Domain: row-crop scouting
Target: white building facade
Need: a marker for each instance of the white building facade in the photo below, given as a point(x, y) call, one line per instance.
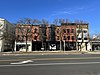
point(7, 35)
point(83, 42)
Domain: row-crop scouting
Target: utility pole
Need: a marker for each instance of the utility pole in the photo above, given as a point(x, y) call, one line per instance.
point(64, 45)
point(60, 39)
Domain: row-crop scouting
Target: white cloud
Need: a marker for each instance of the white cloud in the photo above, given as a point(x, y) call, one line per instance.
point(71, 11)
point(61, 13)
point(66, 12)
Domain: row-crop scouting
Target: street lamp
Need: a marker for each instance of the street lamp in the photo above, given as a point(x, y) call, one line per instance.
point(64, 45)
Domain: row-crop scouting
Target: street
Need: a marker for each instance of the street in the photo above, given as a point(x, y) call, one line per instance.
point(64, 64)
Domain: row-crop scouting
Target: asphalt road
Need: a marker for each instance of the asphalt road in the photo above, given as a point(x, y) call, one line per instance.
point(80, 64)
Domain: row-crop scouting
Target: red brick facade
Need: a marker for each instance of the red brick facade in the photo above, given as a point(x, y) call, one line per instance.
point(32, 32)
point(35, 33)
point(68, 33)
point(62, 36)
point(58, 33)
point(22, 31)
point(47, 33)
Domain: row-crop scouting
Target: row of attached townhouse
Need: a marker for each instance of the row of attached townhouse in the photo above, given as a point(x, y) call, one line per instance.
point(26, 37)
point(67, 36)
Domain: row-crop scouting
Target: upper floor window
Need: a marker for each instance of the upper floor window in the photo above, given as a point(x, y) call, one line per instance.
point(72, 37)
point(28, 30)
point(72, 31)
point(79, 31)
point(35, 37)
point(18, 38)
point(68, 37)
point(79, 38)
point(35, 30)
point(19, 30)
point(85, 31)
point(57, 37)
point(85, 38)
point(57, 30)
point(68, 30)
point(64, 38)
point(64, 30)
point(1, 32)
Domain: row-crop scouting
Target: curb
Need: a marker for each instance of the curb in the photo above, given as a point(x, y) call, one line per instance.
point(47, 53)
point(41, 53)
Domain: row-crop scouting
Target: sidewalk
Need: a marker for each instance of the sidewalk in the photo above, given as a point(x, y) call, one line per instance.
point(40, 53)
point(49, 52)
point(94, 52)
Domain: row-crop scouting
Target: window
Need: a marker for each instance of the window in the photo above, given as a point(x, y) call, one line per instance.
point(79, 31)
point(68, 37)
point(19, 30)
point(57, 30)
point(85, 39)
point(23, 37)
point(28, 30)
point(64, 38)
point(79, 38)
point(1, 32)
point(72, 31)
point(18, 36)
point(68, 30)
point(72, 37)
point(85, 31)
point(64, 30)
point(35, 37)
point(35, 30)
point(57, 37)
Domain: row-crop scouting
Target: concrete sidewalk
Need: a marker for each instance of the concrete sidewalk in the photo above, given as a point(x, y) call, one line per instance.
point(41, 53)
point(50, 52)
point(94, 52)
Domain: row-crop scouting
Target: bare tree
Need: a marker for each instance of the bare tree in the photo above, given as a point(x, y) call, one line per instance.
point(36, 22)
point(43, 28)
point(44, 21)
point(25, 21)
point(67, 20)
point(26, 29)
point(8, 36)
point(56, 21)
point(61, 21)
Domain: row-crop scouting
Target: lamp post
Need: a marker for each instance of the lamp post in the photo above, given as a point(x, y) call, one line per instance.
point(60, 39)
point(64, 45)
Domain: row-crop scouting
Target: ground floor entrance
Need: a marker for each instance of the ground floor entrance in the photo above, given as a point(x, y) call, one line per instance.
point(67, 46)
point(45, 46)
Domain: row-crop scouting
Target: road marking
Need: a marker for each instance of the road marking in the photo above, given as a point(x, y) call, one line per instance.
point(22, 62)
point(49, 64)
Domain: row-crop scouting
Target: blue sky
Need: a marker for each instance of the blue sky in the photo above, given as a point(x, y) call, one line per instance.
point(86, 10)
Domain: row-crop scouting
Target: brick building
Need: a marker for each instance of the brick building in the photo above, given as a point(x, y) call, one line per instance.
point(34, 36)
point(23, 37)
point(67, 36)
point(58, 37)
